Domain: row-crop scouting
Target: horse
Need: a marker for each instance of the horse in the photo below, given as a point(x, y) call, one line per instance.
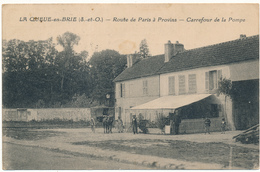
point(108, 124)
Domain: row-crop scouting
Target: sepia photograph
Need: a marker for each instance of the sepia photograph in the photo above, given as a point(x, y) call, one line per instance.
point(164, 86)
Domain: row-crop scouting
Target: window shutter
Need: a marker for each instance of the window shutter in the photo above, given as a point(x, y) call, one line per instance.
point(124, 90)
point(121, 90)
point(207, 81)
point(171, 81)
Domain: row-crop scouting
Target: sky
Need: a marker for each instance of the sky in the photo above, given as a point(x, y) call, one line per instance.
point(157, 23)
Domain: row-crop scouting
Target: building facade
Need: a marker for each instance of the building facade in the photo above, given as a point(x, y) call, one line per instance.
point(181, 74)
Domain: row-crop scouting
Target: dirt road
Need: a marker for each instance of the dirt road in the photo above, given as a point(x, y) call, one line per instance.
point(17, 157)
point(117, 150)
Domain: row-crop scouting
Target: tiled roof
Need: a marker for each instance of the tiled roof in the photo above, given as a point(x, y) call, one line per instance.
point(145, 67)
point(217, 54)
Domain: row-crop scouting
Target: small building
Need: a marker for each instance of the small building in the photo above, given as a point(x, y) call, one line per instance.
point(188, 80)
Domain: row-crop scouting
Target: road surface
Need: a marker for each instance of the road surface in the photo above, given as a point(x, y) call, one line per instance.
point(17, 157)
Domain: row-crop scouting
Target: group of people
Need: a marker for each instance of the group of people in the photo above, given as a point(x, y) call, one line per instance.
point(175, 120)
point(207, 123)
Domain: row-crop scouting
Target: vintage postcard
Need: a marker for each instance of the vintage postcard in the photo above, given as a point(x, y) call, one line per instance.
point(130, 86)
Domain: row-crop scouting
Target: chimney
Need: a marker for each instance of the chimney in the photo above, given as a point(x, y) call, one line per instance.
point(242, 36)
point(172, 50)
point(131, 59)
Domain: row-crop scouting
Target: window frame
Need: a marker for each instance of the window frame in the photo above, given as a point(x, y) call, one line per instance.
point(182, 88)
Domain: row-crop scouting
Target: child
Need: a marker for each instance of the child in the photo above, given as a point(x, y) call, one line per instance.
point(223, 126)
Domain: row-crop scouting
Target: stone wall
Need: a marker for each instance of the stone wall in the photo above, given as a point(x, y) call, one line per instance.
point(75, 114)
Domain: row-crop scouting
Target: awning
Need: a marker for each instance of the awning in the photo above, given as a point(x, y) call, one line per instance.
point(171, 102)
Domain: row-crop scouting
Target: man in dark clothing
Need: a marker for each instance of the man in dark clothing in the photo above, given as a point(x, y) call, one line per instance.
point(177, 121)
point(207, 125)
point(134, 124)
point(172, 126)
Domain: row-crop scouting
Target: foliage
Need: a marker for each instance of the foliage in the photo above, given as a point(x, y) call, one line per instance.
point(79, 101)
point(143, 126)
point(143, 49)
point(36, 75)
point(105, 66)
point(225, 87)
point(27, 68)
point(161, 121)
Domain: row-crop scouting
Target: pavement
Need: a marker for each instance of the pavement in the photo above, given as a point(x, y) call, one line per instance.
point(63, 143)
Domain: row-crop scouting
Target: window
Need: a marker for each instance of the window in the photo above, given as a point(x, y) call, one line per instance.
point(145, 87)
point(212, 78)
point(192, 83)
point(171, 81)
point(122, 90)
point(182, 89)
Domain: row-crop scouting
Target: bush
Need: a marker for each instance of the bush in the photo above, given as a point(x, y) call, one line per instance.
point(143, 126)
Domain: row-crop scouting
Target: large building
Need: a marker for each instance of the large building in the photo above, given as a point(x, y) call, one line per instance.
point(188, 80)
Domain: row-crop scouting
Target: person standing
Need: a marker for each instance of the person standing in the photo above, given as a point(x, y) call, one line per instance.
point(223, 126)
point(207, 125)
point(134, 124)
point(120, 125)
point(172, 126)
point(92, 124)
point(177, 121)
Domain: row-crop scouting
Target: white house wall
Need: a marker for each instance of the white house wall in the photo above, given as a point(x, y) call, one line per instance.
point(134, 88)
point(200, 79)
point(244, 71)
point(134, 94)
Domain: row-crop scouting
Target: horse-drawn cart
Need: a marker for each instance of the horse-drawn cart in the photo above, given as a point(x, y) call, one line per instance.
point(104, 116)
point(99, 112)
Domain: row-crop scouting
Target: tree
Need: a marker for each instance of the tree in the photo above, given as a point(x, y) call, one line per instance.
point(105, 66)
point(143, 49)
point(67, 41)
point(225, 88)
point(27, 71)
point(33, 72)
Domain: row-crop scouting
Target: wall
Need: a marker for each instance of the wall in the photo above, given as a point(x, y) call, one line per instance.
point(134, 88)
point(10, 115)
point(197, 125)
point(200, 79)
point(76, 114)
point(134, 95)
point(244, 70)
